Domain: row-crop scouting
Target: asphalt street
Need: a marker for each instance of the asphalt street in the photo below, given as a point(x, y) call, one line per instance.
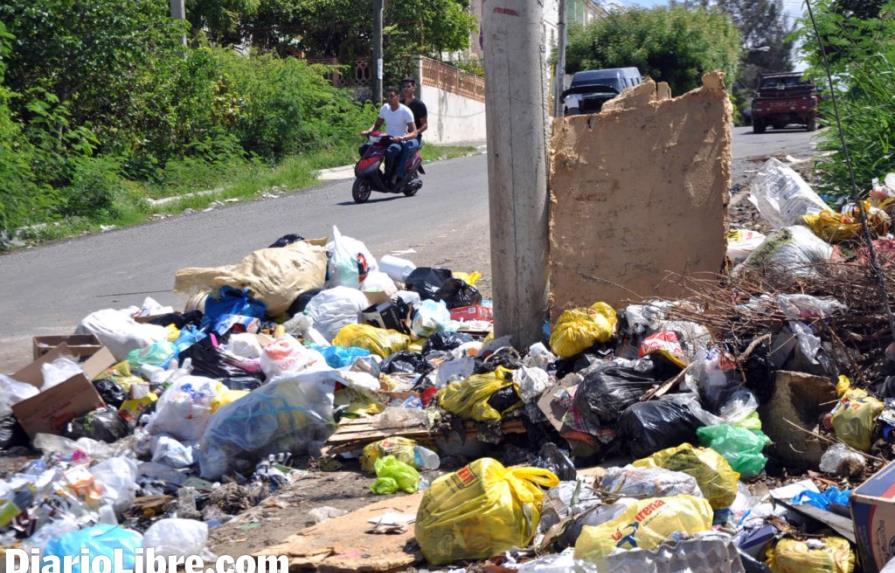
point(48, 289)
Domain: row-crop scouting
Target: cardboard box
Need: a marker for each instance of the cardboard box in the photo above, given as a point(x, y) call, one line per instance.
point(873, 513)
point(471, 313)
point(80, 345)
point(50, 411)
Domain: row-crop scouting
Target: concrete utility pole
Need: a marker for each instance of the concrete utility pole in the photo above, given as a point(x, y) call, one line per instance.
point(517, 166)
point(377, 51)
point(178, 12)
point(560, 71)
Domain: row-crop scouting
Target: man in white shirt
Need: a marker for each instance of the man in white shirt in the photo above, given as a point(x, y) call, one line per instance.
point(399, 124)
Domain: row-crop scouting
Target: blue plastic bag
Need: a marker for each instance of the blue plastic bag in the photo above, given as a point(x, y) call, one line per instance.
point(832, 496)
point(189, 335)
point(340, 356)
point(100, 539)
point(230, 302)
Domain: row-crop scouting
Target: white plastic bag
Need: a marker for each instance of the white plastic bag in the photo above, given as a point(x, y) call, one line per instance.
point(286, 355)
point(379, 285)
point(292, 413)
point(12, 392)
point(396, 268)
point(431, 317)
point(741, 243)
point(791, 251)
point(538, 356)
point(532, 382)
point(58, 371)
point(120, 333)
point(346, 253)
point(807, 307)
point(334, 308)
point(118, 476)
point(244, 345)
point(184, 408)
point(167, 450)
point(782, 196)
point(176, 537)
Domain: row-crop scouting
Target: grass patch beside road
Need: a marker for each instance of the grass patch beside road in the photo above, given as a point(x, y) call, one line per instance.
point(198, 186)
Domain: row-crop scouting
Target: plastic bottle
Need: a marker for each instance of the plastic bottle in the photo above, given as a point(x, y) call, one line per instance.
point(425, 459)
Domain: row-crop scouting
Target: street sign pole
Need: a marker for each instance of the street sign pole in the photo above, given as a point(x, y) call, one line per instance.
point(560, 71)
point(377, 51)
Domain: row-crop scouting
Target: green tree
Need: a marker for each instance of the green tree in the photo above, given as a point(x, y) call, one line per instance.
point(675, 45)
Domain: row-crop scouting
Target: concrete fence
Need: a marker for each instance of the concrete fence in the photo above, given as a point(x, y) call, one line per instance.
point(455, 100)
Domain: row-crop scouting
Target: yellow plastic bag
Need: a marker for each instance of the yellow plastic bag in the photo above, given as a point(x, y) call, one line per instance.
point(480, 510)
point(468, 278)
point(226, 396)
point(835, 227)
point(854, 417)
point(401, 448)
point(794, 556)
point(173, 333)
point(580, 328)
point(716, 479)
point(645, 525)
point(377, 340)
point(469, 398)
point(357, 403)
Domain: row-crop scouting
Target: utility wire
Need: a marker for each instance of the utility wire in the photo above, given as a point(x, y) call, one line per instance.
point(855, 193)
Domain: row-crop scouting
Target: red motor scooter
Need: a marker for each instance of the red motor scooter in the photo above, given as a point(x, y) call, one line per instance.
point(369, 175)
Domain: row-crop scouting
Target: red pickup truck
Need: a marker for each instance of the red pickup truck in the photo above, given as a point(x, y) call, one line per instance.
point(783, 99)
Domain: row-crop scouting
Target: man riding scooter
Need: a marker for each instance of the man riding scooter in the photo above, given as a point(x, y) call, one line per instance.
point(401, 128)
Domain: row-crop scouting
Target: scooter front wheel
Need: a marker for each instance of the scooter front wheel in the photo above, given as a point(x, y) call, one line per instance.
point(361, 190)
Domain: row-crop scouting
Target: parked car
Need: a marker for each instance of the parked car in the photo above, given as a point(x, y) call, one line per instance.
point(783, 99)
point(590, 89)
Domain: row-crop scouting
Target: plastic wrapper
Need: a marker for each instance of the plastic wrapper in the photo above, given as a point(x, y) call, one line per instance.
point(470, 397)
point(782, 196)
point(740, 447)
point(578, 329)
point(334, 308)
point(716, 479)
point(175, 537)
point(12, 392)
point(854, 418)
point(807, 307)
point(379, 341)
point(457, 293)
point(666, 345)
point(641, 483)
point(102, 539)
point(645, 525)
point(610, 388)
point(102, 424)
point(647, 427)
point(824, 555)
point(290, 414)
point(286, 355)
point(841, 460)
point(393, 475)
point(480, 510)
point(431, 317)
point(118, 478)
point(184, 408)
point(120, 333)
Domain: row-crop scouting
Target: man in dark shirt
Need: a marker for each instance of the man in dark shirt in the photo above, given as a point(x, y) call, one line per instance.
point(420, 114)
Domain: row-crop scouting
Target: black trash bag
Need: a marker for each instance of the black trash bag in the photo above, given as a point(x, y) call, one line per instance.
point(608, 389)
point(392, 315)
point(504, 399)
point(759, 372)
point(577, 363)
point(241, 382)
point(102, 424)
point(111, 393)
point(12, 433)
point(427, 281)
point(446, 341)
point(179, 319)
point(506, 357)
point(550, 457)
point(647, 427)
point(209, 362)
point(405, 362)
point(456, 293)
point(301, 301)
point(286, 240)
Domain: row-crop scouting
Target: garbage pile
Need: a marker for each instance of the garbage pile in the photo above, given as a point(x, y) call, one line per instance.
point(738, 429)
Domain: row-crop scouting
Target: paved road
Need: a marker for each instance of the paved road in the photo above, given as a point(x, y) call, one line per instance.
point(47, 290)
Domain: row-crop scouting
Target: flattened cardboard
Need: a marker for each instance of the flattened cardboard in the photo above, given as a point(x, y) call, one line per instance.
point(51, 410)
point(873, 514)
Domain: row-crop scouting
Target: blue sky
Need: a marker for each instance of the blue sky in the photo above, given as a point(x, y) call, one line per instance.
point(793, 7)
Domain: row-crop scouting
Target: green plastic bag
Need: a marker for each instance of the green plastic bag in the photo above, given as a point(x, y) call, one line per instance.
point(739, 446)
point(392, 475)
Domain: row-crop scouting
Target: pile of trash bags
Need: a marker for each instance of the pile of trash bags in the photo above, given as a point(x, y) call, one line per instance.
point(625, 439)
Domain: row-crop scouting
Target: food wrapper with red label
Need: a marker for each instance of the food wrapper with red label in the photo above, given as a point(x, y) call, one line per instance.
point(481, 510)
point(665, 344)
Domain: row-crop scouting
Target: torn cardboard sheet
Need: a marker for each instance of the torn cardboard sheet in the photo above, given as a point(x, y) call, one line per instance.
point(639, 195)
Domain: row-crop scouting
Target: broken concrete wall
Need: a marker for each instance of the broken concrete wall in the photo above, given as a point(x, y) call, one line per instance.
point(639, 195)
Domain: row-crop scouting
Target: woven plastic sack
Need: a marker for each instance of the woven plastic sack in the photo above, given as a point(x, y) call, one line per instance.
point(739, 446)
point(715, 477)
point(854, 417)
point(398, 447)
point(377, 340)
point(393, 475)
point(580, 328)
point(480, 510)
point(794, 556)
point(645, 525)
point(468, 398)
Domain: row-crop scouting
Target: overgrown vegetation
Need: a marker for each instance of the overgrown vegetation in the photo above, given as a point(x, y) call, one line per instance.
point(859, 36)
point(674, 45)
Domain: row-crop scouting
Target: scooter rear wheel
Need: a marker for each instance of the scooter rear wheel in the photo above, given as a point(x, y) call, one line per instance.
point(361, 190)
